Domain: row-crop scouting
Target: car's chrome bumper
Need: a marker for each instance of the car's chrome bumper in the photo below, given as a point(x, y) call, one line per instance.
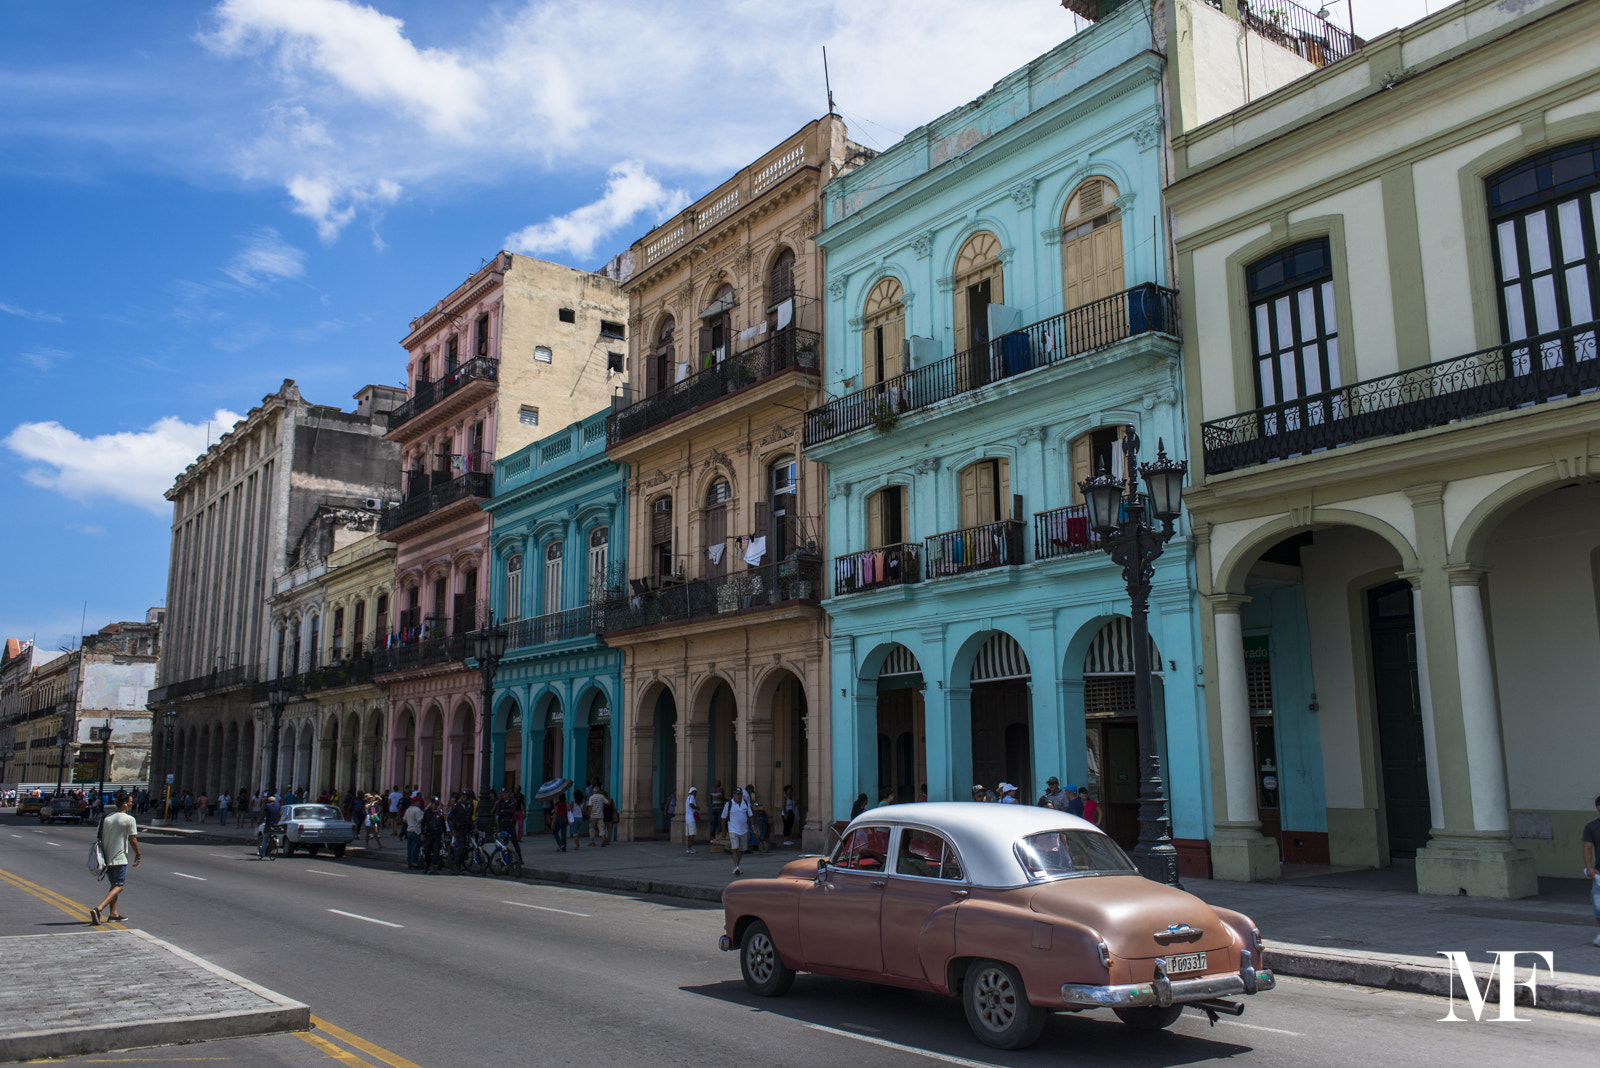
point(1163, 991)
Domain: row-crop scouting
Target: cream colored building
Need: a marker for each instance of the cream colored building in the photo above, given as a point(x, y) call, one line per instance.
point(726, 670)
point(1389, 272)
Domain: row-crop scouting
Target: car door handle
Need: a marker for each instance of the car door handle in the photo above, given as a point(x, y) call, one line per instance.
point(959, 895)
point(878, 883)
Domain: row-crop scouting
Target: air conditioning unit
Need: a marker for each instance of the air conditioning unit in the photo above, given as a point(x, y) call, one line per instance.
point(373, 504)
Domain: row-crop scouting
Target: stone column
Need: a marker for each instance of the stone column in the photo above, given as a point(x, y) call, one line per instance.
point(1239, 851)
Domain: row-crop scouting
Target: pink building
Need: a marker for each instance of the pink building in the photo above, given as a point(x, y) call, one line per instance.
point(522, 345)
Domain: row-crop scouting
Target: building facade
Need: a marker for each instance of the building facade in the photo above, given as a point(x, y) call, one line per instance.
point(239, 513)
point(520, 346)
point(559, 514)
point(724, 637)
point(1390, 346)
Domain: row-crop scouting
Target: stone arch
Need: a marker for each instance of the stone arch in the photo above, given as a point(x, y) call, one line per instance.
point(1472, 537)
point(1063, 190)
point(886, 293)
point(703, 691)
point(1235, 566)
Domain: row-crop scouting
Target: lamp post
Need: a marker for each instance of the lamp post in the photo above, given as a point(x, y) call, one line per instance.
point(488, 646)
point(1122, 519)
point(63, 740)
point(170, 716)
point(277, 697)
point(103, 733)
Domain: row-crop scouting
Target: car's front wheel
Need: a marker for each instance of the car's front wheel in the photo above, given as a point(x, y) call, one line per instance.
point(764, 971)
point(998, 1010)
point(1149, 1017)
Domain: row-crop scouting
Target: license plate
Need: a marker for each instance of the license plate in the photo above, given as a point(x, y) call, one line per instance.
point(1186, 962)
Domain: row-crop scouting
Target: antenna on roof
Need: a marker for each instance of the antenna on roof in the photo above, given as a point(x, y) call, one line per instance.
point(825, 80)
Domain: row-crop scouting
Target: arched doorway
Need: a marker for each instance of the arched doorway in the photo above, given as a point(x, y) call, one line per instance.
point(902, 744)
point(1001, 720)
point(597, 757)
point(788, 764)
point(1111, 722)
point(430, 750)
point(664, 760)
point(511, 766)
point(722, 750)
point(465, 729)
point(554, 721)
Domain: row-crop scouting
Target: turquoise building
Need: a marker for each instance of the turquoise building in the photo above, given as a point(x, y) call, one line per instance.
point(558, 515)
point(1002, 321)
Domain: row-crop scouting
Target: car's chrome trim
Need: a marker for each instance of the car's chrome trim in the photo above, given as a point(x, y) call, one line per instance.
point(1176, 991)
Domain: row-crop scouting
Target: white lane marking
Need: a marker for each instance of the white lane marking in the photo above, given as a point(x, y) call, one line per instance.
point(16, 836)
point(884, 1042)
point(1258, 1027)
point(196, 878)
point(369, 919)
point(545, 908)
point(56, 844)
point(224, 856)
point(336, 875)
point(861, 1027)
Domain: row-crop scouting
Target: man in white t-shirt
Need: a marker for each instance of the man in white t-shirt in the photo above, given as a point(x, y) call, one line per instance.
point(395, 797)
point(737, 814)
point(119, 834)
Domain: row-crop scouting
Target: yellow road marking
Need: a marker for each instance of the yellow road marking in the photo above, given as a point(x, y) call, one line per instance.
point(333, 1052)
point(50, 897)
point(394, 1060)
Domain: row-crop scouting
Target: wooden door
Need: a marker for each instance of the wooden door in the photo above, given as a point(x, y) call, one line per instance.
point(1398, 706)
point(717, 534)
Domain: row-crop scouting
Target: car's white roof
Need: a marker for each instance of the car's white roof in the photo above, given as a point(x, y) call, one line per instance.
point(983, 833)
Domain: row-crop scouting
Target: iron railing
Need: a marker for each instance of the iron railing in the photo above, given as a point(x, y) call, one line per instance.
point(979, 548)
point(1308, 35)
point(426, 394)
point(417, 505)
point(757, 587)
point(353, 672)
point(1142, 309)
point(556, 626)
point(779, 352)
point(1519, 373)
point(1066, 531)
point(216, 680)
point(420, 654)
point(876, 569)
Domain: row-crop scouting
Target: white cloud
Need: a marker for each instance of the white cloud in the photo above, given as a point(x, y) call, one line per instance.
point(44, 359)
point(30, 313)
point(630, 192)
point(266, 257)
point(332, 201)
point(93, 529)
point(134, 467)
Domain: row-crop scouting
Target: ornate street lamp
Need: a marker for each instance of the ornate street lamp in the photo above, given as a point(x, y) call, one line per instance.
point(1122, 519)
point(170, 716)
point(277, 698)
point(103, 733)
point(488, 646)
point(63, 740)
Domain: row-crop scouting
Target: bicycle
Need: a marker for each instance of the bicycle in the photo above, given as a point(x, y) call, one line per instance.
point(276, 843)
point(476, 862)
point(503, 858)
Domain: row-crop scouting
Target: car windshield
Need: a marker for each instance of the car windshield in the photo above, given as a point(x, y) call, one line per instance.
point(1057, 854)
point(315, 812)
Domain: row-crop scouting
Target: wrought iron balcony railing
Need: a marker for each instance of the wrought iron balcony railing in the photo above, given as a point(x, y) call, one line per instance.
point(426, 394)
point(216, 680)
point(779, 352)
point(877, 569)
point(353, 672)
point(423, 653)
point(1288, 25)
point(1066, 531)
point(757, 587)
point(1140, 310)
point(977, 548)
point(556, 626)
point(440, 494)
point(1519, 373)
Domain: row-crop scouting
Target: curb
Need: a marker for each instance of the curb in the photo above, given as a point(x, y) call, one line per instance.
point(283, 1014)
point(1557, 991)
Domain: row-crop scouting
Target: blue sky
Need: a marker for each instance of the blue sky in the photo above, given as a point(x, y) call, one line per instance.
point(203, 199)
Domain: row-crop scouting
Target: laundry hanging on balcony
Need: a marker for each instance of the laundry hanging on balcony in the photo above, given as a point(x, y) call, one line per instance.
point(785, 313)
point(757, 549)
point(715, 553)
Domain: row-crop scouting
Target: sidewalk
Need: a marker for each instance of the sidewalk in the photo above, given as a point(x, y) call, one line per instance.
point(1367, 928)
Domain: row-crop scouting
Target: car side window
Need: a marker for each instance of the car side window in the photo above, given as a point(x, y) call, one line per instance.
point(925, 854)
point(864, 849)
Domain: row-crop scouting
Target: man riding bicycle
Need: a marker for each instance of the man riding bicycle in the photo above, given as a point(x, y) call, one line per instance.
point(271, 814)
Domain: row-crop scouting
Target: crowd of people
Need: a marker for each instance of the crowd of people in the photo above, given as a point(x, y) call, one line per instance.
point(1074, 800)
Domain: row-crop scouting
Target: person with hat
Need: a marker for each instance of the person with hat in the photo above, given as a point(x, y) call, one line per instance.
point(1008, 794)
point(979, 793)
point(1052, 796)
point(1074, 805)
point(691, 819)
point(271, 811)
point(1091, 807)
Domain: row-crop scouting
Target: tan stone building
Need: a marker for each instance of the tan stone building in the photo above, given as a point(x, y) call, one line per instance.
point(727, 669)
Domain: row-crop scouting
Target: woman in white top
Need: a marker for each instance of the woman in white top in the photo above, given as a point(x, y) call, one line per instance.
point(691, 817)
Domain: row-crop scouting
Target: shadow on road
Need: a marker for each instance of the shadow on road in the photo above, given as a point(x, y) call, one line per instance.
point(935, 1024)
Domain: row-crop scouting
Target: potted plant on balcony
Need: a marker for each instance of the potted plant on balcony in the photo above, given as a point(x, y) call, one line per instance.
point(883, 415)
point(805, 353)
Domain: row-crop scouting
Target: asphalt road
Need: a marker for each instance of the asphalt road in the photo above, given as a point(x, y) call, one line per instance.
point(442, 971)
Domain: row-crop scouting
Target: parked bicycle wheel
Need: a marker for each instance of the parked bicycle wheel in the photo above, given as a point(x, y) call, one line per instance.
point(497, 863)
point(474, 863)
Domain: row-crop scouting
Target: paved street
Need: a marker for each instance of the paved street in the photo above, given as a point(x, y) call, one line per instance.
point(450, 971)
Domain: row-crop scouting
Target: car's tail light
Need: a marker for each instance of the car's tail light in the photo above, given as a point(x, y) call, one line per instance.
point(1105, 956)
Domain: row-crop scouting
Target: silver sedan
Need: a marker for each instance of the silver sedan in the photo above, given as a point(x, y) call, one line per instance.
point(315, 826)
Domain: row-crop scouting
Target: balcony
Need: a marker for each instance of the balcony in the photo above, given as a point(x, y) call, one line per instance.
point(556, 627)
point(1535, 370)
point(758, 587)
point(877, 569)
point(217, 680)
point(780, 352)
point(1140, 310)
point(466, 476)
point(1288, 25)
point(426, 653)
point(1065, 531)
point(341, 673)
point(980, 548)
point(427, 394)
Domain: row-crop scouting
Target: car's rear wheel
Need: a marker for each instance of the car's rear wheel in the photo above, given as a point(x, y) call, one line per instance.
point(338, 851)
point(1149, 1017)
point(314, 850)
point(764, 971)
point(997, 1006)
point(288, 848)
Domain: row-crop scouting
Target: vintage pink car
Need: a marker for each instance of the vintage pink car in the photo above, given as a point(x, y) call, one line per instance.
point(1019, 911)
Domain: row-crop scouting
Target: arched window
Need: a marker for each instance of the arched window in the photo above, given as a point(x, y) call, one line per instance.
point(889, 517)
point(1099, 449)
point(1545, 212)
point(338, 633)
point(783, 511)
point(985, 493)
point(883, 329)
point(315, 636)
point(660, 361)
point(358, 629)
point(716, 330)
point(552, 578)
point(661, 537)
point(717, 495)
point(1091, 244)
point(599, 560)
point(780, 279)
point(512, 608)
point(979, 283)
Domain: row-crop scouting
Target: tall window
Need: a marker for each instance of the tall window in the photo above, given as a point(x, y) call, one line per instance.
point(979, 283)
point(599, 559)
point(661, 536)
point(316, 643)
point(552, 578)
point(480, 342)
point(358, 629)
point(717, 496)
point(1294, 325)
point(467, 608)
point(1545, 212)
point(660, 361)
point(1091, 244)
point(985, 493)
point(338, 633)
point(1097, 450)
point(452, 354)
point(441, 607)
point(780, 292)
point(888, 517)
point(380, 622)
point(716, 330)
point(884, 328)
point(513, 606)
point(295, 664)
point(784, 512)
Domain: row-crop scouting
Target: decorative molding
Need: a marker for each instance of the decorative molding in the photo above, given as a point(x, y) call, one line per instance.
point(836, 286)
point(1147, 133)
point(1031, 433)
point(807, 224)
point(947, 284)
point(779, 433)
point(922, 244)
point(855, 322)
point(572, 509)
point(926, 465)
point(656, 479)
point(1124, 203)
point(838, 489)
point(714, 457)
point(1021, 194)
point(741, 259)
